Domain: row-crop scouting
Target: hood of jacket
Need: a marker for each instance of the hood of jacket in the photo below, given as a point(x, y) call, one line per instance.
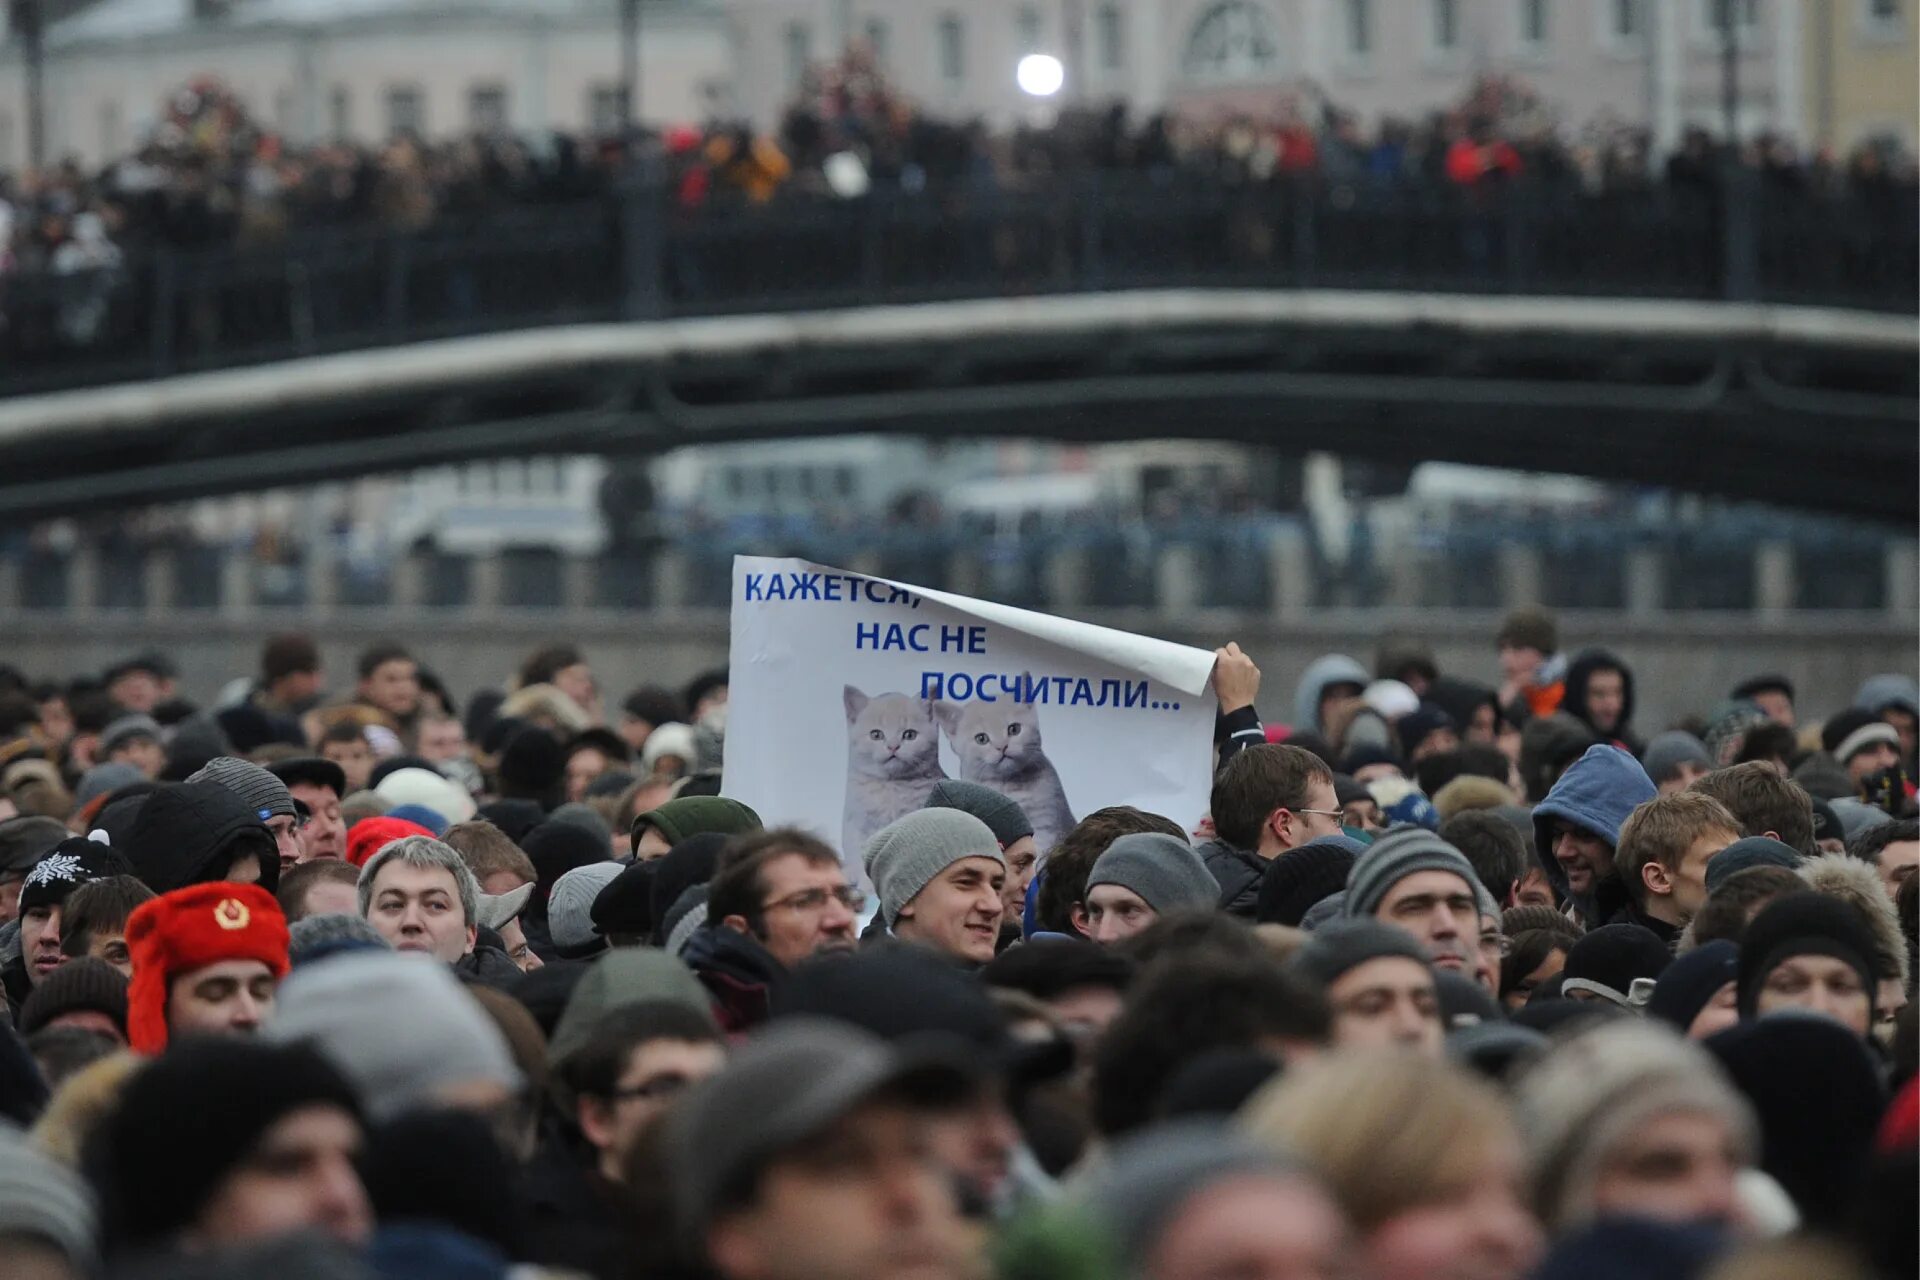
point(1877, 693)
point(191, 832)
point(1596, 794)
point(1579, 672)
point(1842, 876)
point(1329, 669)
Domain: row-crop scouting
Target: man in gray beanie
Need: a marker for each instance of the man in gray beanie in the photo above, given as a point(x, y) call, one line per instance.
point(47, 1219)
point(570, 909)
point(939, 874)
point(1140, 878)
point(1414, 879)
point(265, 794)
point(1674, 759)
point(1010, 826)
point(1379, 985)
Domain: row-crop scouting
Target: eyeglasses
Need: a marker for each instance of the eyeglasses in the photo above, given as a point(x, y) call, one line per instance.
point(1496, 944)
point(1323, 813)
point(816, 899)
point(661, 1086)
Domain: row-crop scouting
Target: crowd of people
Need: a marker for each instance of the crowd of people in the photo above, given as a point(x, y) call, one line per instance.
point(1455, 979)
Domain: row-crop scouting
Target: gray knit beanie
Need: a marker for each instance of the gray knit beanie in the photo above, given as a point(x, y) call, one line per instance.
point(43, 1200)
point(902, 857)
point(1668, 751)
point(1164, 870)
point(1004, 817)
point(1394, 857)
point(265, 794)
point(1324, 912)
point(570, 905)
point(1340, 945)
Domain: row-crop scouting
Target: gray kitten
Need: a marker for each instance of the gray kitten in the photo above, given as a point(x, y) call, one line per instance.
point(893, 763)
point(999, 746)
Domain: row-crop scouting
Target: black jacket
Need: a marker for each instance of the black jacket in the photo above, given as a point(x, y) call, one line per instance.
point(737, 972)
point(1239, 874)
point(574, 1217)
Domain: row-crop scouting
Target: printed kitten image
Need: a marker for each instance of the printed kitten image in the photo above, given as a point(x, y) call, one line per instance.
point(893, 762)
point(998, 745)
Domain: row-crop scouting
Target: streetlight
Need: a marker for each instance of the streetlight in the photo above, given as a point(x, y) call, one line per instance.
point(1040, 75)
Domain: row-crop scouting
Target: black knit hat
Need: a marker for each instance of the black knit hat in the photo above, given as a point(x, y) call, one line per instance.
point(1800, 924)
point(66, 867)
point(1753, 686)
point(1301, 877)
point(1689, 983)
point(311, 771)
point(77, 986)
point(1419, 724)
point(688, 863)
point(532, 765)
point(1611, 957)
point(186, 1120)
point(626, 905)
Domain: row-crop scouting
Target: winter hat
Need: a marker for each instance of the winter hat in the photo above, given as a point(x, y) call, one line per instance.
point(1348, 790)
point(44, 1201)
point(1150, 1177)
point(1823, 777)
point(419, 815)
point(686, 917)
point(186, 1120)
point(1744, 855)
point(1366, 754)
point(1606, 961)
point(126, 729)
point(317, 937)
point(1597, 794)
point(1216, 1083)
point(104, 780)
point(1818, 1094)
point(313, 771)
point(429, 788)
point(1463, 1001)
point(1163, 870)
point(1419, 724)
point(24, 839)
point(370, 835)
point(1411, 809)
point(583, 815)
point(1853, 731)
point(556, 848)
point(514, 817)
point(1727, 729)
point(1826, 823)
point(1668, 751)
point(1797, 924)
point(1689, 983)
point(901, 858)
point(532, 765)
point(1635, 1249)
point(901, 994)
point(193, 832)
point(625, 906)
point(1752, 687)
point(1303, 876)
point(400, 1027)
point(1594, 1088)
point(688, 863)
point(689, 816)
point(1392, 699)
point(1341, 945)
point(1857, 815)
point(1529, 627)
point(1004, 817)
point(82, 984)
point(1877, 693)
point(1328, 909)
point(1395, 856)
point(64, 868)
point(1857, 883)
point(497, 910)
point(570, 908)
point(1469, 793)
point(628, 976)
point(189, 929)
point(265, 794)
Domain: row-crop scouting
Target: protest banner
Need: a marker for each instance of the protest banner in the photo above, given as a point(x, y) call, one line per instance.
point(853, 696)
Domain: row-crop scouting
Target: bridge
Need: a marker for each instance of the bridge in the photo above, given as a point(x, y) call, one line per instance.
point(1734, 350)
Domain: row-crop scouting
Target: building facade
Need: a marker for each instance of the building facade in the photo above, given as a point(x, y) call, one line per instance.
point(1635, 61)
point(364, 70)
point(1862, 73)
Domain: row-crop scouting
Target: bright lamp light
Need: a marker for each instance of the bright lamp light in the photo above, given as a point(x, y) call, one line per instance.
point(1040, 75)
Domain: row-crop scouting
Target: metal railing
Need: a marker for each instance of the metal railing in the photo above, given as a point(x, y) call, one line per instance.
point(634, 255)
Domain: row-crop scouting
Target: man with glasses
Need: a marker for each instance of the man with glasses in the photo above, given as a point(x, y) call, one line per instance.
point(1415, 880)
point(776, 898)
point(638, 1060)
point(1267, 800)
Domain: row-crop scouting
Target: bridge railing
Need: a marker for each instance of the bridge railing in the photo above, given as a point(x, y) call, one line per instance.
point(633, 254)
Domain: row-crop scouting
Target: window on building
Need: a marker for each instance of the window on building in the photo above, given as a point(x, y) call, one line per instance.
point(1233, 40)
point(606, 108)
point(953, 49)
point(1359, 25)
point(487, 108)
point(406, 111)
point(879, 38)
point(799, 47)
point(1446, 25)
point(1028, 22)
point(1534, 31)
point(340, 113)
point(1112, 34)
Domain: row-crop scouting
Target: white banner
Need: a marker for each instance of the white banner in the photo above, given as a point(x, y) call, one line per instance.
point(851, 697)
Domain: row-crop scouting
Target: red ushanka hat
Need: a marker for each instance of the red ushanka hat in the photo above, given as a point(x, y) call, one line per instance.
point(190, 929)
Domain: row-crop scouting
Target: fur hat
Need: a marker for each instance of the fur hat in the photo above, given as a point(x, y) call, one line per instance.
point(1847, 878)
point(1469, 792)
point(189, 929)
point(1591, 1090)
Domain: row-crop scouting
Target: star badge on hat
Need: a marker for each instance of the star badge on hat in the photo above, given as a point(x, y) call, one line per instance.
point(231, 913)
